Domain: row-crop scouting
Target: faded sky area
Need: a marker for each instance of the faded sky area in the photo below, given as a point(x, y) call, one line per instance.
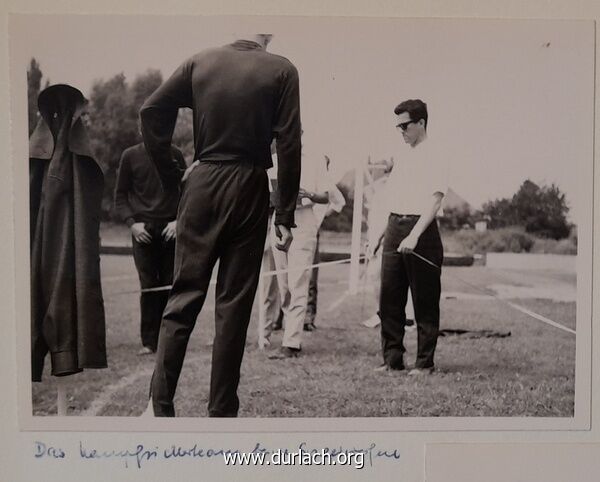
point(508, 100)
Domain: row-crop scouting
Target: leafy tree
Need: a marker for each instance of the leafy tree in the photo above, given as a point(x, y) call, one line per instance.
point(113, 128)
point(144, 85)
point(540, 210)
point(114, 125)
point(500, 213)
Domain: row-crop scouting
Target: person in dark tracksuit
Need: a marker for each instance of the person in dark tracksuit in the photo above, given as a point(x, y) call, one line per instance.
point(242, 98)
point(412, 249)
point(150, 212)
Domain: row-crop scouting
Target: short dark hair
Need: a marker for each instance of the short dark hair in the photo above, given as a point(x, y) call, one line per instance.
point(416, 108)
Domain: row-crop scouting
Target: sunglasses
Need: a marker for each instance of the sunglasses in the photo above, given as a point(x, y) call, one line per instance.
point(404, 125)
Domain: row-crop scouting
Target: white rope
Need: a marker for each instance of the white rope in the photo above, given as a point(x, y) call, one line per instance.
point(262, 274)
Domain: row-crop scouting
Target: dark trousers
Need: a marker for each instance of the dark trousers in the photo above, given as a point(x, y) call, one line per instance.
point(222, 216)
point(398, 273)
point(313, 288)
point(154, 264)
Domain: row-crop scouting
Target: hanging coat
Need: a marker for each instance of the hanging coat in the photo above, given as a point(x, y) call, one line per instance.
point(65, 187)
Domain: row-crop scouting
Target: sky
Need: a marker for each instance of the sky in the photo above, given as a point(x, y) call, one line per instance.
point(507, 100)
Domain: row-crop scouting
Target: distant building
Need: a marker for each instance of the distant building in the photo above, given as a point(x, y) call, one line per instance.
point(481, 226)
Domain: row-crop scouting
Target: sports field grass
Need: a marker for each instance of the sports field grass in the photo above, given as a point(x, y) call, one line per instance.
point(530, 373)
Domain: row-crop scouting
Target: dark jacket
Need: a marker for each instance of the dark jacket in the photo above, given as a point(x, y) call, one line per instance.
point(242, 97)
point(139, 195)
point(66, 184)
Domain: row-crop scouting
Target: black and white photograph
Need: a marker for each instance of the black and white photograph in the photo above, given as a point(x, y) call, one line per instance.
point(313, 220)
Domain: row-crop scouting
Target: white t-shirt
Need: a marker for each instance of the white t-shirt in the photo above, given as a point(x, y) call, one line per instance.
point(415, 178)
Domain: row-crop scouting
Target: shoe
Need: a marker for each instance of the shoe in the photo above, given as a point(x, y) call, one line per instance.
point(309, 326)
point(415, 372)
point(145, 350)
point(386, 368)
point(285, 352)
point(372, 322)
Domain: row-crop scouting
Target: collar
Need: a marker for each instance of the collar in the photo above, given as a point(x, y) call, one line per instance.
point(246, 45)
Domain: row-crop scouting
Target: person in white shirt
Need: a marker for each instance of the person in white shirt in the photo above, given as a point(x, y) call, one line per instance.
point(412, 248)
point(293, 281)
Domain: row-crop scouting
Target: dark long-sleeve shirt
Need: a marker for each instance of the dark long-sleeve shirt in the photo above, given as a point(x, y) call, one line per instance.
point(242, 97)
point(139, 194)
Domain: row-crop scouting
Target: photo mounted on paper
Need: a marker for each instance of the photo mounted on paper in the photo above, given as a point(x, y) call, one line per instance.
point(367, 223)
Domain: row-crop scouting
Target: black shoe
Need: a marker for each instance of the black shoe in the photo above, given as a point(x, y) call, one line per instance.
point(309, 326)
point(278, 325)
point(285, 352)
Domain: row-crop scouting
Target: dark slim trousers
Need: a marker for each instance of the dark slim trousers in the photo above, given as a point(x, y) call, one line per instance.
point(222, 215)
point(154, 264)
point(398, 273)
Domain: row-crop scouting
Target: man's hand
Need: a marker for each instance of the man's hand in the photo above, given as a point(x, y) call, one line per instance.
point(373, 249)
point(140, 234)
point(189, 170)
point(169, 232)
point(408, 244)
point(284, 237)
point(303, 193)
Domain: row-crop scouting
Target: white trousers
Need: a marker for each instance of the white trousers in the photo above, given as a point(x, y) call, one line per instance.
point(293, 285)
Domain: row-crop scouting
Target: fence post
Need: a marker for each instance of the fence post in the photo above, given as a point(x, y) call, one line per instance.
point(359, 188)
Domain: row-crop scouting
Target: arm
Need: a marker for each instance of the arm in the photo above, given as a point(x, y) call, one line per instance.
point(375, 238)
point(316, 197)
point(179, 159)
point(427, 215)
point(123, 186)
point(158, 117)
point(170, 230)
point(287, 131)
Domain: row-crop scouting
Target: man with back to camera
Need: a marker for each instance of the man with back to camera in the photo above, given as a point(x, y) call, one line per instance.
point(412, 248)
point(242, 97)
point(149, 211)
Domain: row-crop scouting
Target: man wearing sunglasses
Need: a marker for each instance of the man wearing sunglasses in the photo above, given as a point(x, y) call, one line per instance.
point(412, 248)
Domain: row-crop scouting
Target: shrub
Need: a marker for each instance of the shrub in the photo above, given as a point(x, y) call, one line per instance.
point(511, 240)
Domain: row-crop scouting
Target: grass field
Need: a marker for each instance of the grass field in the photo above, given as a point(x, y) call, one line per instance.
point(530, 373)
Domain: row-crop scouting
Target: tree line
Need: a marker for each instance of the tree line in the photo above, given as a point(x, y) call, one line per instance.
point(113, 109)
point(114, 105)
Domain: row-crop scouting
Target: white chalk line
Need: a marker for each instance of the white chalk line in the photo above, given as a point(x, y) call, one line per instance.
point(98, 404)
point(541, 318)
point(520, 308)
point(106, 396)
